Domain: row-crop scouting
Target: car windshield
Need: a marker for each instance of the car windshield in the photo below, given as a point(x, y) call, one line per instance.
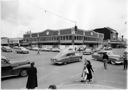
point(110, 53)
point(4, 59)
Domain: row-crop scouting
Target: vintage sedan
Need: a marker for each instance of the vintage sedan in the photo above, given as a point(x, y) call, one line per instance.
point(6, 49)
point(55, 50)
point(22, 50)
point(11, 68)
point(113, 59)
point(88, 51)
point(107, 48)
point(67, 57)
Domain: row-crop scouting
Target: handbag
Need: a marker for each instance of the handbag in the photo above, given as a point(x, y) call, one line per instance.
point(86, 71)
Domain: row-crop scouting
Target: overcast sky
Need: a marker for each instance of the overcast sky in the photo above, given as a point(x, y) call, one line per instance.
point(20, 16)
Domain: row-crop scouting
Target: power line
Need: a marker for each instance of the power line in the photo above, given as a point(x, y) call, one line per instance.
point(73, 21)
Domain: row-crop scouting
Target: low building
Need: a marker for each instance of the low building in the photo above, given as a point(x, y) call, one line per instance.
point(110, 36)
point(68, 36)
point(5, 41)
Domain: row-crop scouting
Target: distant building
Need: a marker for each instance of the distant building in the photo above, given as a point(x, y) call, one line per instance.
point(109, 33)
point(5, 41)
point(63, 37)
point(110, 36)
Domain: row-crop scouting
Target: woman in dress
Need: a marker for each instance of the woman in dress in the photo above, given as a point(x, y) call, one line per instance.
point(90, 70)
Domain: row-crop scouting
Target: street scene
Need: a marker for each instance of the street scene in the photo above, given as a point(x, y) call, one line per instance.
point(67, 76)
point(59, 44)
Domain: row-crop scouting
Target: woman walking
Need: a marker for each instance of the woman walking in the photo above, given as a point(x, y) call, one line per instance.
point(90, 70)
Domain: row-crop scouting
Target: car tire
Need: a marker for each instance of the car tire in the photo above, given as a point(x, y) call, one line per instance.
point(23, 73)
point(113, 63)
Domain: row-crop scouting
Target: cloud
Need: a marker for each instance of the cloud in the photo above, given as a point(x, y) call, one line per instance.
point(21, 15)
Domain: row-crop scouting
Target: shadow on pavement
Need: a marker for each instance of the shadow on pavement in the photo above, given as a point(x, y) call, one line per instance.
point(13, 77)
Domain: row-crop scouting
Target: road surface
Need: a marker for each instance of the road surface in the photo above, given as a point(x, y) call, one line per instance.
point(66, 76)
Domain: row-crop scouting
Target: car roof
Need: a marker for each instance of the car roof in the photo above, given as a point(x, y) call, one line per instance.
point(105, 51)
point(63, 53)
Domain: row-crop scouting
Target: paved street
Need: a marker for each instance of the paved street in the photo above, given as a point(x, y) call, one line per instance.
point(66, 76)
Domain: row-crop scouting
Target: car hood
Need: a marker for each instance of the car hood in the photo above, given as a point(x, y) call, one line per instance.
point(17, 63)
point(115, 55)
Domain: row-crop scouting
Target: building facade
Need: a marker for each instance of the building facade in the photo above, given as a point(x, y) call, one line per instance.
point(110, 36)
point(5, 41)
point(67, 36)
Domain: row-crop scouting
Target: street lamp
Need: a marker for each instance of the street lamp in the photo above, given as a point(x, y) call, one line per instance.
point(73, 34)
point(59, 37)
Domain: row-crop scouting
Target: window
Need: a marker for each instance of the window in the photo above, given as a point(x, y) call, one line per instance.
point(70, 54)
point(70, 37)
point(61, 38)
point(67, 38)
point(64, 38)
point(4, 61)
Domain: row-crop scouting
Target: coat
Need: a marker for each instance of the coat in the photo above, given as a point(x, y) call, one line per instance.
point(89, 75)
point(32, 78)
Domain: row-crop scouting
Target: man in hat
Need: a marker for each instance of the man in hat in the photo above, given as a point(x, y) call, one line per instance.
point(32, 77)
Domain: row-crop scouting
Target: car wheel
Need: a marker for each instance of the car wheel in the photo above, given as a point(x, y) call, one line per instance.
point(23, 73)
point(113, 63)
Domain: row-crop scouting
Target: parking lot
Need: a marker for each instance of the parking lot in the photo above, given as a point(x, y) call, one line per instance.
point(66, 76)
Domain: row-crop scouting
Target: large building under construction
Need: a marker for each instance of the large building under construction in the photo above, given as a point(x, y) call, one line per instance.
point(68, 36)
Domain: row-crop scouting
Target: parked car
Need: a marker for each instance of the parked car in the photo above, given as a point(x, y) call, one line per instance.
point(35, 49)
point(11, 68)
point(29, 48)
point(107, 48)
point(87, 51)
point(22, 50)
point(16, 47)
point(47, 49)
point(67, 57)
point(55, 50)
point(113, 59)
point(6, 49)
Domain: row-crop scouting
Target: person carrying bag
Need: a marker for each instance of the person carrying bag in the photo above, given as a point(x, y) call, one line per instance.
point(84, 74)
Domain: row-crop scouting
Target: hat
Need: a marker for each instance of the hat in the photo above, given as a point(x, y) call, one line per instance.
point(32, 63)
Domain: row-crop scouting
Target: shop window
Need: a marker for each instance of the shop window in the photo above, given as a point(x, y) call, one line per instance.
point(70, 37)
point(75, 38)
point(67, 38)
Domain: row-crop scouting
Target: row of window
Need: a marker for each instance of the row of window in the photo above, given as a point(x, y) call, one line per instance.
point(56, 38)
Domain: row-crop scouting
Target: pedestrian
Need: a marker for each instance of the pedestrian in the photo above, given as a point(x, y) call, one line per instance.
point(38, 51)
point(84, 73)
point(90, 70)
point(52, 87)
point(125, 60)
point(105, 60)
point(32, 77)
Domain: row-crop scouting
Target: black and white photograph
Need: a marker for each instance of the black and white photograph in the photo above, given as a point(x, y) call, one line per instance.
point(64, 44)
